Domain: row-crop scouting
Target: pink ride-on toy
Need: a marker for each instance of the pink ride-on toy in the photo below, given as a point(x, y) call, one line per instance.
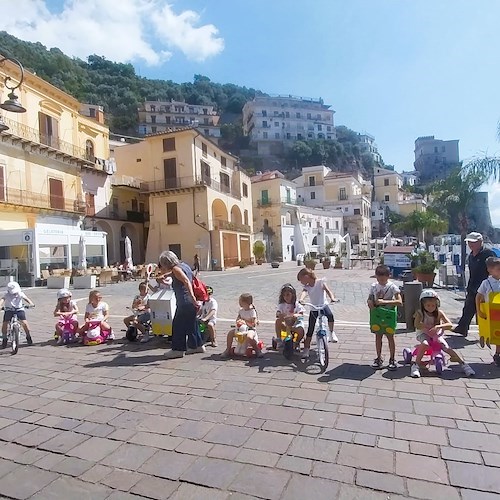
point(68, 330)
point(434, 351)
point(95, 334)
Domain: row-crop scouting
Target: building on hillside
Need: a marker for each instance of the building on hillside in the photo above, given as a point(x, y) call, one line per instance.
point(200, 201)
point(434, 158)
point(160, 116)
point(389, 195)
point(43, 154)
point(409, 178)
point(286, 225)
point(274, 123)
point(347, 192)
point(367, 145)
point(114, 203)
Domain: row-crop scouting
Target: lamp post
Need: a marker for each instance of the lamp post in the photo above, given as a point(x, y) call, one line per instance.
point(12, 104)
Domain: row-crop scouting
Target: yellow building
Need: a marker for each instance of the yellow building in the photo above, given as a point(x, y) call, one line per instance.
point(200, 202)
point(42, 154)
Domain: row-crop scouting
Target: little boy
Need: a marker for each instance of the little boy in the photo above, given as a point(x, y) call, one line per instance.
point(13, 301)
point(490, 285)
point(384, 293)
point(142, 313)
point(208, 315)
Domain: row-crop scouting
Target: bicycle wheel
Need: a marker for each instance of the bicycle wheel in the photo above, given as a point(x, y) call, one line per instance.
point(15, 338)
point(322, 346)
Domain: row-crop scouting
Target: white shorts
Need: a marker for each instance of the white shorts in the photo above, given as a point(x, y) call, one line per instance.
point(423, 338)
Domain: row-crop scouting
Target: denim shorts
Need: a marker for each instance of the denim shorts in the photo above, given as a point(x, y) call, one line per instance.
point(21, 315)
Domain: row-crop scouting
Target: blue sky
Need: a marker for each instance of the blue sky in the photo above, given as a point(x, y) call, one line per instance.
point(396, 69)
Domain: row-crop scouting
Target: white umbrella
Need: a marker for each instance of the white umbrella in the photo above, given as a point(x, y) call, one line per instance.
point(82, 261)
point(128, 253)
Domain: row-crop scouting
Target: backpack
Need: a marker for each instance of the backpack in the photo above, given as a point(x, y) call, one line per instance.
point(199, 290)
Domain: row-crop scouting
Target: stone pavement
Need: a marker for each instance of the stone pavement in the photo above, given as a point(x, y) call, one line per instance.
point(119, 421)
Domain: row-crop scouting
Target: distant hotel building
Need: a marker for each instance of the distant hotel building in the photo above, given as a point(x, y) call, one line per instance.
point(367, 145)
point(274, 123)
point(435, 158)
point(160, 116)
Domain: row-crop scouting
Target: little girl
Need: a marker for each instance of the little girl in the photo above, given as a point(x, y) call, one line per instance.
point(66, 310)
point(96, 310)
point(317, 290)
point(247, 315)
point(290, 313)
point(430, 322)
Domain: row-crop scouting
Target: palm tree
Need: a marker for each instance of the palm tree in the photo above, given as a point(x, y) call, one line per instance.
point(454, 195)
point(489, 165)
point(418, 222)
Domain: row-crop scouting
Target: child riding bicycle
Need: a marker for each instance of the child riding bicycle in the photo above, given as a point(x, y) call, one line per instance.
point(13, 303)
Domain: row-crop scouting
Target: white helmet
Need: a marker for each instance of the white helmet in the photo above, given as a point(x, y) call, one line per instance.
point(428, 293)
point(13, 288)
point(63, 293)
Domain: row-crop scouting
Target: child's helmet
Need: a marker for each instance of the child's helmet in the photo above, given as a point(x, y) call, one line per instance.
point(13, 288)
point(428, 293)
point(210, 290)
point(63, 293)
point(288, 286)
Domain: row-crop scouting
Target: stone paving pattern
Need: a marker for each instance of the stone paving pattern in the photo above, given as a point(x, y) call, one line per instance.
point(119, 421)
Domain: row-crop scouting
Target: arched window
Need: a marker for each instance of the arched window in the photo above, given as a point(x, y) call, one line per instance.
point(89, 150)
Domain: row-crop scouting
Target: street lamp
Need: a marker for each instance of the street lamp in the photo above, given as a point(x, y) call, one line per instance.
point(12, 104)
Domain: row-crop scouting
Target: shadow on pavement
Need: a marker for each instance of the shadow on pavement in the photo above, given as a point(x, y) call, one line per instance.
point(123, 360)
point(348, 371)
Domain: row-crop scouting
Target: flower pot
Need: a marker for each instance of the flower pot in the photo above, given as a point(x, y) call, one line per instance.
point(87, 281)
point(58, 282)
point(427, 279)
point(275, 264)
point(326, 264)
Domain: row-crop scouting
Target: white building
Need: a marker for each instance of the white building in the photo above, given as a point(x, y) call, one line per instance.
point(367, 145)
point(274, 123)
point(434, 158)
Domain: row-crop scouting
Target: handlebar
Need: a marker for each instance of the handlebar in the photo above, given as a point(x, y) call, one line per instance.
point(14, 309)
point(318, 308)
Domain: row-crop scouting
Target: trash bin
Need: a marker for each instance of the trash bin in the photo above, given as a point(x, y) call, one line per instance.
point(163, 305)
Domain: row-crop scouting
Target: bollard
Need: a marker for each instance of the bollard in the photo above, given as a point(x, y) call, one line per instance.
point(412, 290)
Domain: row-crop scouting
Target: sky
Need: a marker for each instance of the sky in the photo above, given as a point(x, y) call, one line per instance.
point(397, 69)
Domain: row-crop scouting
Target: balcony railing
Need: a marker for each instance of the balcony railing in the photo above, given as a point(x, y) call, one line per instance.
point(40, 200)
point(33, 135)
point(220, 224)
point(189, 182)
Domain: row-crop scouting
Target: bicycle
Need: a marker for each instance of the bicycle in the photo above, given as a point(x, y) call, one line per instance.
point(14, 329)
point(321, 335)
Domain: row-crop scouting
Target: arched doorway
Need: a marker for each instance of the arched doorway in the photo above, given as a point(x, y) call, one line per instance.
point(101, 225)
point(129, 230)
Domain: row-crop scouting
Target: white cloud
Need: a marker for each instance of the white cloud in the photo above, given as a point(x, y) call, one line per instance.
point(494, 202)
point(123, 31)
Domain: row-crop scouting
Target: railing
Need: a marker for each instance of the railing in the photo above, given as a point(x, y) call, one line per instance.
point(134, 216)
point(188, 182)
point(220, 224)
point(40, 200)
point(34, 135)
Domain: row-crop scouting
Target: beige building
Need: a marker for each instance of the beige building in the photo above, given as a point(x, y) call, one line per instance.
point(160, 116)
point(348, 193)
point(287, 227)
point(43, 153)
point(200, 202)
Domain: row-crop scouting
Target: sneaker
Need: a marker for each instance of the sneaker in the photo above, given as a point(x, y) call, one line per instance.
point(455, 330)
point(468, 371)
point(392, 366)
point(111, 337)
point(496, 358)
point(174, 354)
point(200, 349)
point(29, 340)
point(332, 337)
point(213, 344)
point(305, 353)
point(145, 338)
point(415, 371)
point(377, 363)
point(4, 343)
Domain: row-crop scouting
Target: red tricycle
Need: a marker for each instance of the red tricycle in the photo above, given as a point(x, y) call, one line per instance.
point(434, 352)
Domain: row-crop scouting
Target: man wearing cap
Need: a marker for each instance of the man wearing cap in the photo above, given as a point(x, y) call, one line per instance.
point(477, 273)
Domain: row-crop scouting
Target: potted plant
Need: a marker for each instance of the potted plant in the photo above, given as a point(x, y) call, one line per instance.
point(338, 262)
point(309, 262)
point(326, 261)
point(275, 264)
point(259, 250)
point(242, 264)
point(425, 269)
point(329, 247)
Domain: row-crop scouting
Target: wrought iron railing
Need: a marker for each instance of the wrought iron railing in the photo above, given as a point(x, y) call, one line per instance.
point(40, 200)
point(231, 226)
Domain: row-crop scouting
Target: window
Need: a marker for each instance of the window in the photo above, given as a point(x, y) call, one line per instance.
point(176, 248)
point(170, 172)
point(153, 130)
point(336, 224)
point(264, 112)
point(224, 182)
point(373, 214)
point(89, 204)
point(169, 144)
point(264, 123)
point(141, 207)
point(172, 213)
point(313, 195)
point(49, 130)
point(205, 121)
point(56, 194)
point(223, 161)
point(245, 217)
point(153, 118)
point(297, 115)
point(152, 108)
point(309, 116)
point(386, 182)
point(204, 149)
point(327, 225)
point(276, 124)
point(245, 190)
point(288, 136)
point(89, 150)
point(264, 196)
point(328, 128)
point(342, 194)
point(206, 131)
point(287, 114)
point(205, 111)
point(299, 137)
point(276, 113)
point(134, 205)
point(443, 149)
point(312, 181)
point(264, 135)
point(435, 149)
point(276, 135)
point(320, 127)
point(386, 197)
point(357, 211)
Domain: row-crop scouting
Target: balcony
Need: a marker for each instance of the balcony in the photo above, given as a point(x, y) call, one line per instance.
point(45, 142)
point(134, 216)
point(42, 201)
point(224, 225)
point(125, 181)
point(187, 183)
